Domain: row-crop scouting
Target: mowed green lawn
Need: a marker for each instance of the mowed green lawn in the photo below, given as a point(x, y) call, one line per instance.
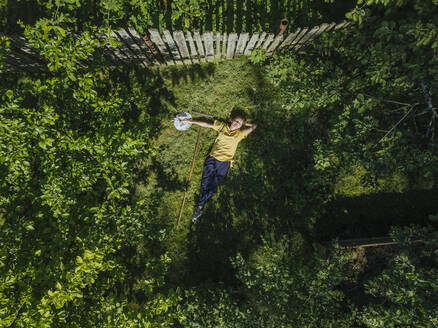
point(211, 89)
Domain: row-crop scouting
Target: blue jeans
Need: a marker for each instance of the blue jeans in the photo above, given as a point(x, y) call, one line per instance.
point(213, 173)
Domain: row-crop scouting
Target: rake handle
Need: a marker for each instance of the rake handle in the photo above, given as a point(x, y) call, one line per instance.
point(190, 177)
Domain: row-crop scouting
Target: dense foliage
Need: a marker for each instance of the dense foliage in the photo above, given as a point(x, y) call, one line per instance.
point(92, 174)
point(212, 15)
point(383, 72)
point(325, 291)
point(71, 143)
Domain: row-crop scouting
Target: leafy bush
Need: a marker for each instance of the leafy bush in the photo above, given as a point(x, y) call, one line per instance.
point(71, 143)
point(370, 83)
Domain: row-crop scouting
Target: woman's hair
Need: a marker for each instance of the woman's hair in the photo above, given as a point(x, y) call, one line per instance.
point(238, 112)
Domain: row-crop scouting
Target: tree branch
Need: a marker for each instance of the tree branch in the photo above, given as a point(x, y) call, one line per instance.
point(407, 113)
point(430, 108)
point(16, 316)
point(389, 101)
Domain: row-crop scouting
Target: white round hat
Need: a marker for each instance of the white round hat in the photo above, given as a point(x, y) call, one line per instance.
point(179, 124)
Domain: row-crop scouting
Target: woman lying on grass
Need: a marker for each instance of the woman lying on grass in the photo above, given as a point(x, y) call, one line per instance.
point(221, 156)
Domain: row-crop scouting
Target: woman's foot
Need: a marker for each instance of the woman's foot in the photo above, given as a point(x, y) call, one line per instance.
point(197, 213)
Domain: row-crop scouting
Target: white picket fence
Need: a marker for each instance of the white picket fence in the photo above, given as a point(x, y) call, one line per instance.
point(177, 48)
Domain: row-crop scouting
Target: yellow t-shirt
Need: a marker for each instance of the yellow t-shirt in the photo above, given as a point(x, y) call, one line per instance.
point(226, 142)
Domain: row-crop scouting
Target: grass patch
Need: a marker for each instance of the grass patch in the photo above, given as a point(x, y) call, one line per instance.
point(211, 89)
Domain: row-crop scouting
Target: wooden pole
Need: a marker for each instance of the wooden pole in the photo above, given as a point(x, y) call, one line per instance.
point(372, 242)
point(190, 177)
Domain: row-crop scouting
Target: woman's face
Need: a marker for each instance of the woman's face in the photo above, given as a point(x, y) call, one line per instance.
point(236, 123)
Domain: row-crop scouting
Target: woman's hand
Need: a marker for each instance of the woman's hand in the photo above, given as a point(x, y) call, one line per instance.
point(249, 128)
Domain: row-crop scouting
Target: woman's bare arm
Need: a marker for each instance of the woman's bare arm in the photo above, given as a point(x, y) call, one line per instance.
point(200, 123)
